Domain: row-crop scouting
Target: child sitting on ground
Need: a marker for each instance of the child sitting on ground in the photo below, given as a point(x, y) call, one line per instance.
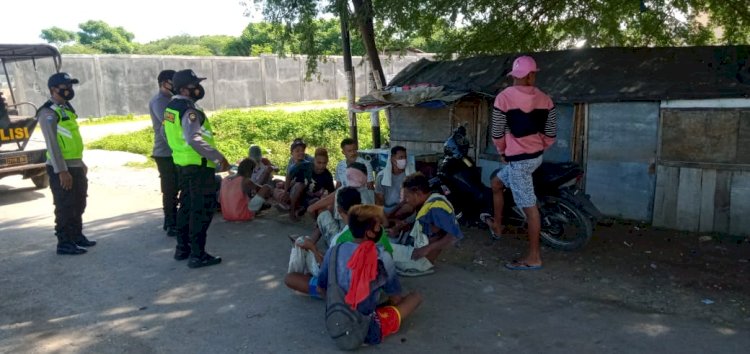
point(388, 186)
point(349, 149)
point(241, 199)
point(363, 269)
point(310, 182)
point(328, 221)
point(264, 171)
point(304, 262)
point(435, 228)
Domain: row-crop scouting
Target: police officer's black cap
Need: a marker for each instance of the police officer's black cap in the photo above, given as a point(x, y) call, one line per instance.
point(60, 79)
point(183, 78)
point(165, 75)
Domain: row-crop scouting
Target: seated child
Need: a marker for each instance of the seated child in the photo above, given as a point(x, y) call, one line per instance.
point(349, 149)
point(241, 199)
point(264, 171)
point(305, 258)
point(363, 270)
point(328, 220)
point(298, 156)
point(388, 185)
point(435, 228)
point(310, 182)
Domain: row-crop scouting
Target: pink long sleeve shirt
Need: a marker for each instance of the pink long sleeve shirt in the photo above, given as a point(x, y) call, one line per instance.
point(524, 123)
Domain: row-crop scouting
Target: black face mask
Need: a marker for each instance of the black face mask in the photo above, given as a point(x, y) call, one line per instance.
point(197, 93)
point(66, 94)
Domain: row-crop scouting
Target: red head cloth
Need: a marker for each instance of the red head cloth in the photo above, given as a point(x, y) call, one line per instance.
point(364, 269)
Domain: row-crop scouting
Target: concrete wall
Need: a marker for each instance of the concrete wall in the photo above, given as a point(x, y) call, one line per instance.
point(123, 84)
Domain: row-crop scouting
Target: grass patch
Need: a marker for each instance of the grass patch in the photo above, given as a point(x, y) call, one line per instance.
point(138, 142)
point(273, 131)
point(112, 119)
point(150, 163)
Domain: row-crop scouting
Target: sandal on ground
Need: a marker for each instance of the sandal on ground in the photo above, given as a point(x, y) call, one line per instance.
point(516, 265)
point(414, 272)
point(489, 219)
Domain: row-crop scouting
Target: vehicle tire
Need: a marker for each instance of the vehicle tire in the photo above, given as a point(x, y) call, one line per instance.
point(564, 226)
point(41, 181)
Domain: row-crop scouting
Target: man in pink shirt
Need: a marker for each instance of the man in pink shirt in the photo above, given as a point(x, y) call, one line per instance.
point(524, 124)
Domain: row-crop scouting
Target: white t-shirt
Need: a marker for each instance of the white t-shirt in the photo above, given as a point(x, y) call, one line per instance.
point(341, 171)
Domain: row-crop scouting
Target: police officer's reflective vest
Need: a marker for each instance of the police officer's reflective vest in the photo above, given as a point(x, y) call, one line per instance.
point(68, 136)
point(182, 153)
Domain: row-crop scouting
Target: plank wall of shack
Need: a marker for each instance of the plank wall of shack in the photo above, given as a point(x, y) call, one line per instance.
point(703, 175)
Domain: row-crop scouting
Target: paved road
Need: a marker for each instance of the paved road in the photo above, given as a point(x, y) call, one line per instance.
point(127, 295)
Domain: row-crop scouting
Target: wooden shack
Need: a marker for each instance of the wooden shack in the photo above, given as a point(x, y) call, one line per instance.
point(662, 133)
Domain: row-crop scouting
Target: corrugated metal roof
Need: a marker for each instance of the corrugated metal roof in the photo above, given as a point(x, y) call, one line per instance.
point(601, 74)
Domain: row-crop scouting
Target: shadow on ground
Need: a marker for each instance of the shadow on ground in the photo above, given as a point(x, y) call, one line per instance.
point(127, 295)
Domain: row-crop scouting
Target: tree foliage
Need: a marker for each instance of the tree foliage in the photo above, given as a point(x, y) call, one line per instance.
point(257, 38)
point(58, 36)
point(491, 26)
point(101, 36)
point(472, 27)
point(187, 45)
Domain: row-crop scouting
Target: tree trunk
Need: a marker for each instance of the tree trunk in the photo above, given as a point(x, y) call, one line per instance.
point(349, 71)
point(364, 12)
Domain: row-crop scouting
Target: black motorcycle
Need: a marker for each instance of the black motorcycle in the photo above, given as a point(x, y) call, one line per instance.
point(567, 214)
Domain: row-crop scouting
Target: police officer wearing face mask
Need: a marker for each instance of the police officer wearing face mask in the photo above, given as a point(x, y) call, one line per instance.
point(67, 172)
point(161, 152)
point(189, 135)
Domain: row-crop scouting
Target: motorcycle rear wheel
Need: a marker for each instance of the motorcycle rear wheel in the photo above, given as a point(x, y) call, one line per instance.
point(564, 226)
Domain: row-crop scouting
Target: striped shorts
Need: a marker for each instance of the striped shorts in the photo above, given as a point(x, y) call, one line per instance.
point(516, 175)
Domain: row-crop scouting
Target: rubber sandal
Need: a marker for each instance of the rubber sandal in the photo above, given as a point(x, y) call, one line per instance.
point(485, 217)
point(414, 272)
point(515, 265)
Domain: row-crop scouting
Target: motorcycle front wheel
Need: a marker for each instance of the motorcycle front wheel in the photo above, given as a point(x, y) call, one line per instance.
point(564, 226)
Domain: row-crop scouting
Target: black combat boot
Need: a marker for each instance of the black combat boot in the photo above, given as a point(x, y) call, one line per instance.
point(204, 260)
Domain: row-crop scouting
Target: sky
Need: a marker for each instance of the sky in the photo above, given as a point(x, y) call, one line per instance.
point(22, 21)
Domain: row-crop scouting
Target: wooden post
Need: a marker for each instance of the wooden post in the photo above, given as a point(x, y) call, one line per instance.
point(375, 115)
point(375, 120)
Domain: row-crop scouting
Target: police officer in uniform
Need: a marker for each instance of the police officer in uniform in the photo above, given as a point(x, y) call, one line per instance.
point(194, 152)
point(162, 154)
point(67, 172)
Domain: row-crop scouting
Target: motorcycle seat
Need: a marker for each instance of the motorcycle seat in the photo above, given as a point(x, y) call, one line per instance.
point(554, 174)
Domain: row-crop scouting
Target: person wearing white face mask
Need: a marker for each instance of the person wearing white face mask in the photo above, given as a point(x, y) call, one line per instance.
point(388, 184)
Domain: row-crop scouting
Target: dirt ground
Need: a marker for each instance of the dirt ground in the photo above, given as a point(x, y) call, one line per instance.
point(630, 264)
point(632, 289)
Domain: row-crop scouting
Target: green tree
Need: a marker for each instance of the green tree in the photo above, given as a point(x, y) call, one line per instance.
point(260, 38)
point(78, 48)
point(58, 36)
point(187, 45)
point(103, 37)
point(298, 19)
point(491, 26)
point(474, 27)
